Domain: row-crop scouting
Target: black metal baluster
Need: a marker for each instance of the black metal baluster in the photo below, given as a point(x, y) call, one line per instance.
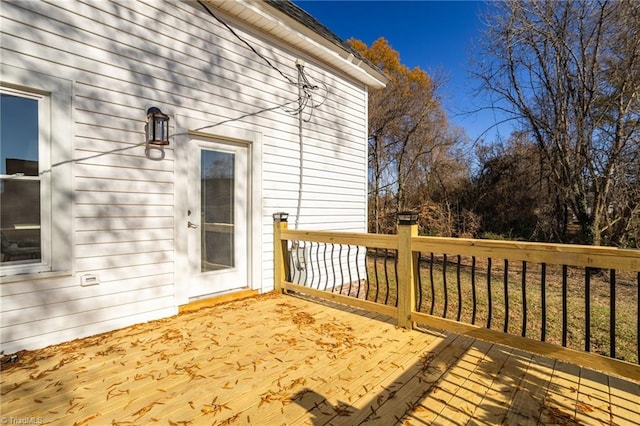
point(444, 285)
point(490, 309)
point(587, 309)
point(316, 272)
point(358, 270)
point(524, 298)
point(306, 253)
point(473, 290)
point(333, 267)
point(433, 288)
point(341, 271)
point(395, 268)
point(288, 269)
point(564, 305)
point(375, 268)
point(386, 275)
point(292, 261)
point(310, 265)
point(303, 266)
point(543, 301)
point(308, 271)
point(326, 268)
point(366, 271)
point(291, 273)
point(419, 290)
point(319, 266)
point(612, 313)
point(314, 265)
point(349, 267)
point(506, 295)
point(459, 289)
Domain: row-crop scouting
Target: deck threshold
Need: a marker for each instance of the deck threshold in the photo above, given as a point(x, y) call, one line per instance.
point(218, 300)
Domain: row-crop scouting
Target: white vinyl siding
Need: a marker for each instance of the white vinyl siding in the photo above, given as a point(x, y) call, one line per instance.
point(121, 58)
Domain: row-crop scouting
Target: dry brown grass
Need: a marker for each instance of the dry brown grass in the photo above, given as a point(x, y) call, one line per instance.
point(626, 303)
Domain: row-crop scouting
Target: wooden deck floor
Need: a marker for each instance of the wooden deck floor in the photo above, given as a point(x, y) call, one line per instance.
point(275, 360)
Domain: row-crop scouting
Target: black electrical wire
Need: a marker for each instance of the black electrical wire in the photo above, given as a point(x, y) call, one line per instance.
point(247, 43)
point(250, 114)
point(307, 88)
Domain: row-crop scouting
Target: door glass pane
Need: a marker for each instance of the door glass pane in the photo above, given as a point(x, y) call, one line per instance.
point(20, 185)
point(217, 181)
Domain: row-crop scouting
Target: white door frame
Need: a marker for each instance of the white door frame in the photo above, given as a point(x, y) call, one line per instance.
point(234, 275)
point(187, 128)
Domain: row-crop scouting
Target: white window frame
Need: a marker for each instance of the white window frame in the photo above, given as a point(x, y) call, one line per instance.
point(55, 152)
point(44, 165)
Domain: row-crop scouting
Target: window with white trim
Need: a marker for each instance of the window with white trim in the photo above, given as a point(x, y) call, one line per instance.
point(24, 187)
point(36, 158)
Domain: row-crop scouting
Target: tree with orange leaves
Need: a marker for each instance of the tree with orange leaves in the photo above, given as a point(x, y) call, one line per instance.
point(411, 145)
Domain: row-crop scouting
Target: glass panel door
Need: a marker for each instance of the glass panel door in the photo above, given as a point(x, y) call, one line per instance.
point(218, 236)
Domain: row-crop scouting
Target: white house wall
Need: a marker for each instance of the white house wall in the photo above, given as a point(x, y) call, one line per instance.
point(121, 58)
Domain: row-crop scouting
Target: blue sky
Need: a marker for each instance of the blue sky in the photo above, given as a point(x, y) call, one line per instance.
point(437, 36)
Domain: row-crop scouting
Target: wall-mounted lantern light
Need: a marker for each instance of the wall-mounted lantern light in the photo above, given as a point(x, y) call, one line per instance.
point(157, 127)
point(407, 218)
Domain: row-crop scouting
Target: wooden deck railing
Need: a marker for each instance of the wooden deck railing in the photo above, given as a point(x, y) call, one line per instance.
point(573, 303)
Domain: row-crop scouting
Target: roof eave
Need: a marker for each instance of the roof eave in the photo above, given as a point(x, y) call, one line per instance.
point(283, 27)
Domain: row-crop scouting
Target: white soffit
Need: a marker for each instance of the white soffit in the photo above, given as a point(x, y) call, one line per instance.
point(287, 29)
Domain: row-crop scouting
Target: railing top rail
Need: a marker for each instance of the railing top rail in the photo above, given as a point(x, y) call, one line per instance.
point(352, 238)
point(559, 254)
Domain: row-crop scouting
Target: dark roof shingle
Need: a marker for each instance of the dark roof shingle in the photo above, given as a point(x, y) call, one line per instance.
point(294, 11)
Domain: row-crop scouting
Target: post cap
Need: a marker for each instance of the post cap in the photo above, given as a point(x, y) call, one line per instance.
point(407, 218)
point(280, 217)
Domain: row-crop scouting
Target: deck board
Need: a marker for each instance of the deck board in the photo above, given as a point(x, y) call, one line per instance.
point(462, 403)
point(531, 391)
point(278, 359)
point(624, 401)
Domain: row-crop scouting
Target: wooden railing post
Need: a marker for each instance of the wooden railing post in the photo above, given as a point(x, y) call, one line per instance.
point(279, 250)
point(407, 229)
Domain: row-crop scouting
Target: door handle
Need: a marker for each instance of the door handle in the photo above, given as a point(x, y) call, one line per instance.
point(191, 225)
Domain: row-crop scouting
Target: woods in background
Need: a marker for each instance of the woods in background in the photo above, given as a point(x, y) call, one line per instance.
point(569, 74)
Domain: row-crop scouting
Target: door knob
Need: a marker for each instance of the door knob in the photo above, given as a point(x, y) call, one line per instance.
point(191, 225)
